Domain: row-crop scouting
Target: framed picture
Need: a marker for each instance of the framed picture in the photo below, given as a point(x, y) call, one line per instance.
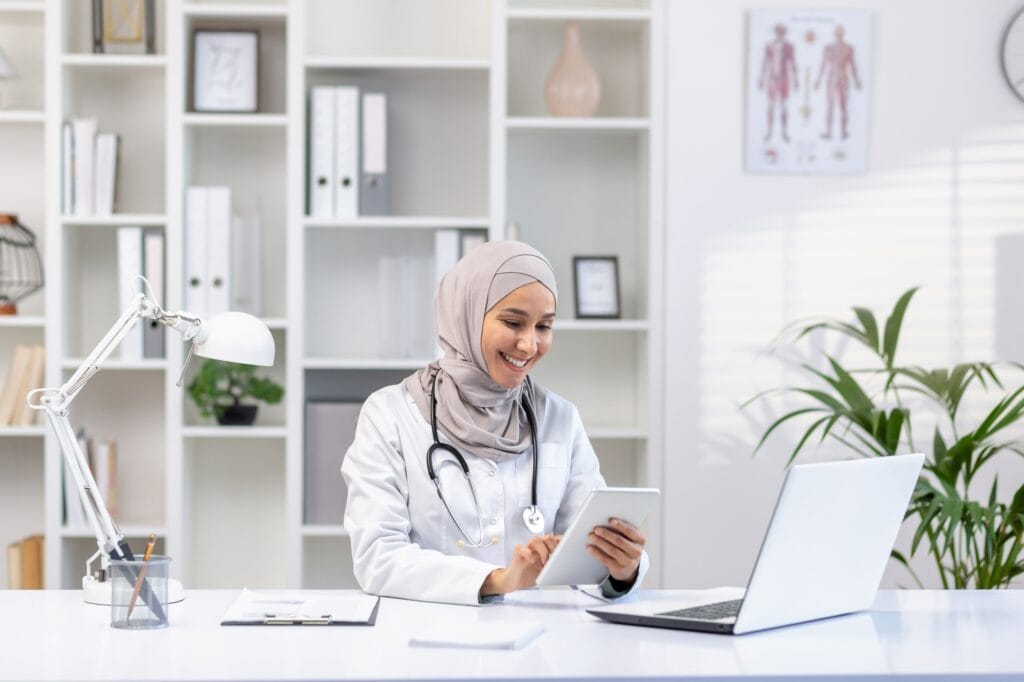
point(225, 71)
point(124, 26)
point(596, 280)
point(808, 88)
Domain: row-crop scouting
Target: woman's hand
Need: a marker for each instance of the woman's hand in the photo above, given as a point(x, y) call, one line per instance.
point(618, 546)
point(523, 569)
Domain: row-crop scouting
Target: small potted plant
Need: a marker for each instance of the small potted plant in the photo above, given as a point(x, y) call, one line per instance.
point(219, 389)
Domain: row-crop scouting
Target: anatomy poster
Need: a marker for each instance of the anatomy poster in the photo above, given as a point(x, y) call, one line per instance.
point(808, 79)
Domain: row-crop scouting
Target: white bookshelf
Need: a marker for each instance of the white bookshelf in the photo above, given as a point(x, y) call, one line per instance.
point(472, 147)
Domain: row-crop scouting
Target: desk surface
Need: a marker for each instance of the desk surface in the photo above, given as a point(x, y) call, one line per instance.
point(53, 635)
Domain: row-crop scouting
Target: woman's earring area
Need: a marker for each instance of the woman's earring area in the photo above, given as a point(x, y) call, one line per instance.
point(533, 519)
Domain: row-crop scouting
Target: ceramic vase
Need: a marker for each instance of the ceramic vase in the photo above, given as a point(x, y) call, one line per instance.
point(572, 87)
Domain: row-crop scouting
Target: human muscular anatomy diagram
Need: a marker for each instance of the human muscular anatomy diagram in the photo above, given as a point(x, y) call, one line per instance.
point(837, 67)
point(778, 75)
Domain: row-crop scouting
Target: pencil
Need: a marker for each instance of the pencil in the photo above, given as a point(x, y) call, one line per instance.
point(142, 575)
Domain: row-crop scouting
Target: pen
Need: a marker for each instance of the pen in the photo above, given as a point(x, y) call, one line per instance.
point(142, 574)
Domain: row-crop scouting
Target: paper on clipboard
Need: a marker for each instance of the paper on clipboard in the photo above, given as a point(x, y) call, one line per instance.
point(302, 607)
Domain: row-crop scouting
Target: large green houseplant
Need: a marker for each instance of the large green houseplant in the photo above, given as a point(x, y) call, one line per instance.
point(219, 390)
point(975, 540)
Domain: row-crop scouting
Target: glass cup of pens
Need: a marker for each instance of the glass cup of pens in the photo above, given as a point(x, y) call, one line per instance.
point(139, 596)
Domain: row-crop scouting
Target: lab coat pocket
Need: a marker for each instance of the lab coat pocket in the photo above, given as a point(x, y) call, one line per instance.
point(552, 475)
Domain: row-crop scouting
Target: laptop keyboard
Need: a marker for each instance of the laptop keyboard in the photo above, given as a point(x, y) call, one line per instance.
point(716, 611)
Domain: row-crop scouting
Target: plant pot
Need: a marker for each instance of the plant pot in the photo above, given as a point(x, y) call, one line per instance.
point(238, 415)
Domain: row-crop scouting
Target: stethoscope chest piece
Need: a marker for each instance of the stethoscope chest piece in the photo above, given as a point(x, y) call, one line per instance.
point(533, 519)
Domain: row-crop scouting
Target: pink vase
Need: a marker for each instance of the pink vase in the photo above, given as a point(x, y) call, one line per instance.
point(572, 88)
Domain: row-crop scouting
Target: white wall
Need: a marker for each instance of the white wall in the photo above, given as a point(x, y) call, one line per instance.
point(747, 253)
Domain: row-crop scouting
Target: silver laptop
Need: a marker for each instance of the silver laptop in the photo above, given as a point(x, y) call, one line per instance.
point(827, 544)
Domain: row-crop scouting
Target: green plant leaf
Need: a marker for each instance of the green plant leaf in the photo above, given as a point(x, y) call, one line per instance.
point(781, 420)
point(892, 327)
point(869, 333)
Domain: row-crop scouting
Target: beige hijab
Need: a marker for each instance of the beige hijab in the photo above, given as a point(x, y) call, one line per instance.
point(476, 413)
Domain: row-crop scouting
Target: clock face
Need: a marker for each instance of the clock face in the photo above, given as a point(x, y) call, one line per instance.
point(1013, 55)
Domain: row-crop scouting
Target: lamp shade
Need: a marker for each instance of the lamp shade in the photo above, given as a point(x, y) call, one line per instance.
point(236, 337)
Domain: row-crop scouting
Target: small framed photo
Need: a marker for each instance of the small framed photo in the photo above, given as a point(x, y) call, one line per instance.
point(124, 26)
point(596, 280)
point(225, 71)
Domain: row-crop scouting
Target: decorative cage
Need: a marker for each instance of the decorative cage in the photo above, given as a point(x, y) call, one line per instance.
point(21, 268)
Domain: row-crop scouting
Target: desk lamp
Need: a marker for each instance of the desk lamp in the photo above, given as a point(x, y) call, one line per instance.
point(232, 336)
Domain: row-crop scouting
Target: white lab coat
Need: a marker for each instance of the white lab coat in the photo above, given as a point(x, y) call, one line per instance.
point(404, 543)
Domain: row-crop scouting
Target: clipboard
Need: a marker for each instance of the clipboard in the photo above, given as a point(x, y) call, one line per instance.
point(303, 607)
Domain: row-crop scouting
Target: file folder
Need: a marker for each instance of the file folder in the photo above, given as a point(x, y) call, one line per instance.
point(321, 152)
point(195, 251)
point(218, 245)
point(346, 152)
point(373, 184)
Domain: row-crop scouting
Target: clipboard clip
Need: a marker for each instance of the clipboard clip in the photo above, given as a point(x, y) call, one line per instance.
point(273, 619)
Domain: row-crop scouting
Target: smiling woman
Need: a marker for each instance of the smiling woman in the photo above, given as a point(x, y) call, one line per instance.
point(445, 497)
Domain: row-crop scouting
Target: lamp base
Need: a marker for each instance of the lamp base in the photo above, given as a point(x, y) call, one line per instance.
point(101, 593)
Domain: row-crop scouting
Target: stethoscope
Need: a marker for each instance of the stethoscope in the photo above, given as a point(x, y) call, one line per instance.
point(533, 519)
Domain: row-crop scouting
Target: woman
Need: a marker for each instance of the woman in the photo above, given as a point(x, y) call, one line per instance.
point(421, 528)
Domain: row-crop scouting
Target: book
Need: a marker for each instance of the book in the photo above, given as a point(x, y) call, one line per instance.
point(14, 565)
point(16, 371)
point(84, 139)
point(23, 415)
point(129, 269)
point(104, 463)
point(247, 264)
point(32, 563)
point(67, 205)
point(106, 173)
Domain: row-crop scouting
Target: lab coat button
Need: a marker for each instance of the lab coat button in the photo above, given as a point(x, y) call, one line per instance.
point(460, 544)
point(493, 473)
point(495, 539)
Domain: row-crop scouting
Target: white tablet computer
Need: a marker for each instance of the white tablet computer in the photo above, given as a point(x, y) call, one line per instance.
point(570, 564)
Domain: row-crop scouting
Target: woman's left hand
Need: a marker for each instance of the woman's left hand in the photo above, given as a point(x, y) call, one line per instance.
point(618, 546)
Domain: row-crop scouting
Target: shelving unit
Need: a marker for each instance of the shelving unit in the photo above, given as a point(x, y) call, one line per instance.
point(470, 146)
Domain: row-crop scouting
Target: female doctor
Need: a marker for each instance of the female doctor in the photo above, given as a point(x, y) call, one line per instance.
point(462, 478)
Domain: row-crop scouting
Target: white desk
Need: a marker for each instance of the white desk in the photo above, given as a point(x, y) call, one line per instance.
point(52, 635)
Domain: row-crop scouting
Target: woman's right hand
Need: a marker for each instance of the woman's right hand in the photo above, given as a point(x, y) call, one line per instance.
point(522, 571)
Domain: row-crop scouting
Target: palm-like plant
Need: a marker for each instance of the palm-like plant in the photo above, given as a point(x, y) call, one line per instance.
point(974, 543)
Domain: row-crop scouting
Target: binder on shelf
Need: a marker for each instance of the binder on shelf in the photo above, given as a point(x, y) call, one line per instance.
point(346, 151)
point(67, 205)
point(153, 334)
point(84, 134)
point(321, 152)
point(106, 173)
point(208, 250)
point(129, 268)
point(218, 245)
point(373, 184)
point(246, 264)
point(330, 430)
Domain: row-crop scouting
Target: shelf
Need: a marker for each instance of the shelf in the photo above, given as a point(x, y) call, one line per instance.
point(234, 432)
point(573, 14)
point(21, 115)
point(131, 61)
point(116, 365)
point(22, 321)
point(372, 63)
point(195, 119)
point(589, 124)
point(400, 222)
point(244, 11)
point(324, 531)
point(23, 6)
point(115, 220)
point(615, 433)
point(22, 431)
point(360, 363)
point(602, 325)
point(129, 531)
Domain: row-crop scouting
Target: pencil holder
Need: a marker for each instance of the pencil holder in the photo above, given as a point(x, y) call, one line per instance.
point(139, 593)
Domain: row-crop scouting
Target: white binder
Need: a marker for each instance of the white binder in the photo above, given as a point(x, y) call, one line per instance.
point(129, 267)
point(218, 245)
point(346, 152)
point(195, 251)
point(106, 173)
point(84, 145)
point(373, 184)
point(153, 268)
point(67, 205)
point(321, 152)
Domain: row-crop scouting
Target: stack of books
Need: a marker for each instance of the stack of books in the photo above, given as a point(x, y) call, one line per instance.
point(24, 374)
point(89, 169)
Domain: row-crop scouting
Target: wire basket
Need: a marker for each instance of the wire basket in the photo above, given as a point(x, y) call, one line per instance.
point(21, 268)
